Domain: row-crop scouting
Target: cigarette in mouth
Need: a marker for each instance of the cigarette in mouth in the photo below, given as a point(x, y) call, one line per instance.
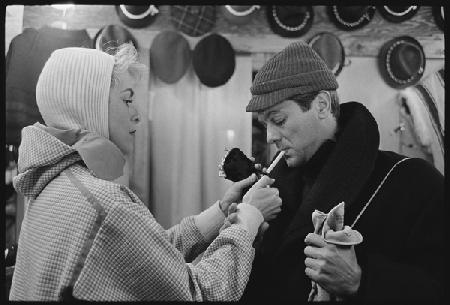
point(278, 158)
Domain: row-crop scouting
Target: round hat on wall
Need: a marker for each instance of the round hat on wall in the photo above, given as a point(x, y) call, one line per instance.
point(397, 13)
point(170, 56)
point(214, 60)
point(290, 20)
point(401, 62)
point(239, 14)
point(193, 20)
point(330, 49)
point(111, 36)
point(350, 18)
point(137, 16)
point(438, 14)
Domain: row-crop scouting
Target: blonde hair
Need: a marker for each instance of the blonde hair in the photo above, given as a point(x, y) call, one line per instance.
point(126, 59)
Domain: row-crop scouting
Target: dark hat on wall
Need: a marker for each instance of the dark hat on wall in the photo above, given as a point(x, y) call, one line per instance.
point(330, 49)
point(350, 18)
point(137, 16)
point(239, 14)
point(438, 14)
point(401, 62)
point(193, 20)
point(111, 36)
point(170, 56)
point(290, 20)
point(214, 60)
point(397, 13)
point(297, 70)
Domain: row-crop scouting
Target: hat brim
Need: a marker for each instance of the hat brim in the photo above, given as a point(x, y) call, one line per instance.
point(97, 38)
point(170, 56)
point(383, 62)
point(214, 69)
point(242, 17)
point(333, 13)
point(397, 17)
point(286, 31)
point(139, 22)
point(440, 22)
point(336, 69)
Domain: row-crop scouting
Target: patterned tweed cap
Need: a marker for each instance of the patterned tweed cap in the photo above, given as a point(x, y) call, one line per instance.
point(296, 70)
point(193, 20)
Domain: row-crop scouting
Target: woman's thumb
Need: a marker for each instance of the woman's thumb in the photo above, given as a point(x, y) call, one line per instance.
point(247, 181)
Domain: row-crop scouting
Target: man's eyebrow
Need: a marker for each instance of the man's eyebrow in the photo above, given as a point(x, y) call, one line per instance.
point(129, 90)
point(266, 115)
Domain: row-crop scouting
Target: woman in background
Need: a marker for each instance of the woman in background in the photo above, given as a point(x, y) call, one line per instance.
point(86, 237)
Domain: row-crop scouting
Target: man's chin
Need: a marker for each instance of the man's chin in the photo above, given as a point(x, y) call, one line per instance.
point(292, 162)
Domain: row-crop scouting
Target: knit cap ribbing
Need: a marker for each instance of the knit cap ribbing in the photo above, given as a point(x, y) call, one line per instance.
point(73, 89)
point(298, 69)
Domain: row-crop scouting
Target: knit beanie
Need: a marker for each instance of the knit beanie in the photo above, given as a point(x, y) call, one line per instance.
point(73, 89)
point(296, 70)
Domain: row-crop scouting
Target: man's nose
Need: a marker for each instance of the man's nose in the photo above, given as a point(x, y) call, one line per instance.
point(272, 136)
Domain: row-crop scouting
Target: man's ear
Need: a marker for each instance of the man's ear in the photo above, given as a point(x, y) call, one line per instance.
point(323, 104)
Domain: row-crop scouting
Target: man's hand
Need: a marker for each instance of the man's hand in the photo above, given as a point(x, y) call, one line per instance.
point(234, 193)
point(333, 267)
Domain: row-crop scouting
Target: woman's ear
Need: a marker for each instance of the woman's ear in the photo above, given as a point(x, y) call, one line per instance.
point(323, 104)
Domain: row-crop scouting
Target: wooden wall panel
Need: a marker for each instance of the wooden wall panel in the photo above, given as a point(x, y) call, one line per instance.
point(256, 36)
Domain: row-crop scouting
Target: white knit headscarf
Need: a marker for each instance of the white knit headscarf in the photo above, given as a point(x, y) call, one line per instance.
point(73, 89)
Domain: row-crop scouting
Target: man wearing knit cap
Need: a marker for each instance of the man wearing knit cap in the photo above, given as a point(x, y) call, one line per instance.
point(331, 156)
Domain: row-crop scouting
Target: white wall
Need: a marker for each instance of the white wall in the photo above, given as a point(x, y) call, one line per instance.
point(361, 81)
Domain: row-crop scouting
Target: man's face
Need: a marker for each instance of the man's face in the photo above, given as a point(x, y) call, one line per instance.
point(293, 130)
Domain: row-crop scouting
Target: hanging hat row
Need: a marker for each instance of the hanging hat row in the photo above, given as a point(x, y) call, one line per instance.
point(401, 60)
point(213, 58)
point(286, 21)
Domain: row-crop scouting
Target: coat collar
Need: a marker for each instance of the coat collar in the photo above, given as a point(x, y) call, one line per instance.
point(344, 173)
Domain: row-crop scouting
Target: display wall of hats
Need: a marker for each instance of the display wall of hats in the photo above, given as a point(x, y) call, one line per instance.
point(290, 20)
point(137, 16)
point(438, 14)
point(111, 36)
point(330, 49)
point(397, 14)
point(401, 62)
point(351, 18)
point(239, 14)
point(214, 60)
point(193, 20)
point(170, 56)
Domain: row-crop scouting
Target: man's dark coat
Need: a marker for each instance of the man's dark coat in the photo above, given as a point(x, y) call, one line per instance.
point(402, 254)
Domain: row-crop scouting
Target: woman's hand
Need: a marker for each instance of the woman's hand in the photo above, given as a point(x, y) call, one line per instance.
point(265, 198)
point(234, 193)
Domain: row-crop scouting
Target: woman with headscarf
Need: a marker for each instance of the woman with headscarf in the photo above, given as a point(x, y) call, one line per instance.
point(86, 237)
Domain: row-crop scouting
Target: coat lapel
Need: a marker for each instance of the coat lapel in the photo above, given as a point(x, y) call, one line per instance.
point(345, 172)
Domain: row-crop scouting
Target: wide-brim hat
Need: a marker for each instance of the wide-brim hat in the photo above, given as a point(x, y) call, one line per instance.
point(330, 49)
point(193, 20)
point(170, 56)
point(438, 14)
point(401, 62)
point(397, 13)
point(290, 20)
point(111, 36)
point(214, 60)
point(239, 14)
point(350, 18)
point(137, 16)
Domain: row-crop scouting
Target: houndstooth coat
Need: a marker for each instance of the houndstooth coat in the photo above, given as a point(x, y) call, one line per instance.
point(106, 243)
